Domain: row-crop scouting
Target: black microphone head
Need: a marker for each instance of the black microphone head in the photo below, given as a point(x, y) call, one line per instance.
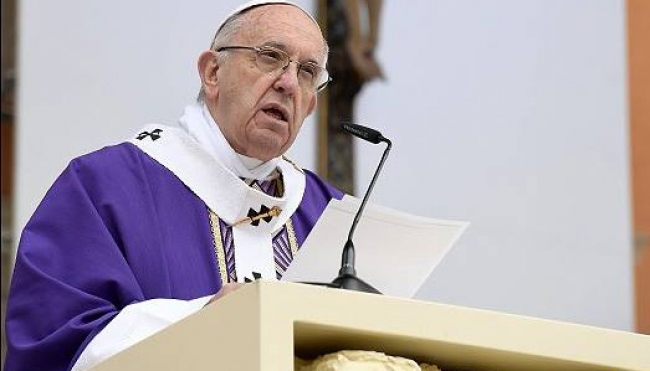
point(371, 135)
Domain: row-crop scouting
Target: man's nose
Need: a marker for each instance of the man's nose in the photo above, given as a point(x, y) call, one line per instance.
point(287, 81)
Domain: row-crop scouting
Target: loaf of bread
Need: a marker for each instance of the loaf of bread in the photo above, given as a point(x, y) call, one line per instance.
point(362, 360)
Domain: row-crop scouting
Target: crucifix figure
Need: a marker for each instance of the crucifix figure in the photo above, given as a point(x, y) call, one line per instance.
point(352, 34)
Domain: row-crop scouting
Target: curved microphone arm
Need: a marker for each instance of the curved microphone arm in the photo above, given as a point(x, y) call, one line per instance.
point(348, 257)
point(347, 278)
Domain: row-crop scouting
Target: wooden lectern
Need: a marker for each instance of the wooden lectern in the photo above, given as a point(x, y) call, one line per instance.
point(263, 325)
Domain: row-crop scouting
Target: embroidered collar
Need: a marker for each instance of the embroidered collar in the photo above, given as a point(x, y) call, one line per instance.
point(227, 195)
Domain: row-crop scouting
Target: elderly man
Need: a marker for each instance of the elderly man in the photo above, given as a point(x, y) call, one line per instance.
point(136, 236)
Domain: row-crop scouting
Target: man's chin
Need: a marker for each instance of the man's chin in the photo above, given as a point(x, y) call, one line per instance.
point(267, 148)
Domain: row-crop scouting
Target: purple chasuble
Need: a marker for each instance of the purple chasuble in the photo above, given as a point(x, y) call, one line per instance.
point(116, 228)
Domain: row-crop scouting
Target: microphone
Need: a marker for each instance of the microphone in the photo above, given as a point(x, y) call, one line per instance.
point(347, 278)
point(371, 135)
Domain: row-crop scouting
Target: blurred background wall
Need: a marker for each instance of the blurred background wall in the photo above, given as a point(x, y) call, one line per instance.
point(7, 124)
point(513, 115)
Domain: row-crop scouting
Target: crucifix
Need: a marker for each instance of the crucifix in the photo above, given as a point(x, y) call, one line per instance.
point(351, 28)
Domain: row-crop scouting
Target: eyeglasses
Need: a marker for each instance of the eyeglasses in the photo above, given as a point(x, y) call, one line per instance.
point(269, 59)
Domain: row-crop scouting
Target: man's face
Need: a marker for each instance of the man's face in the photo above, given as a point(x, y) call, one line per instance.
point(261, 113)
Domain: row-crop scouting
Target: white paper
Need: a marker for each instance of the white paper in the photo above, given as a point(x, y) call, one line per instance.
point(395, 251)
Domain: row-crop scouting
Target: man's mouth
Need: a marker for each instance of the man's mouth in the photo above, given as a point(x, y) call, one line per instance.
point(276, 112)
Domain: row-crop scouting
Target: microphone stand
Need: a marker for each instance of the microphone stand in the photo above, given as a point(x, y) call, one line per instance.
point(347, 278)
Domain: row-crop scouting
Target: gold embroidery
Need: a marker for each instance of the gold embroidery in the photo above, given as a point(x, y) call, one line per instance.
point(275, 211)
point(218, 246)
point(220, 250)
point(293, 241)
point(295, 166)
point(280, 185)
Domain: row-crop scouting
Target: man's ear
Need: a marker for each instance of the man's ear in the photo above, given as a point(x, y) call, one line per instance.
point(208, 67)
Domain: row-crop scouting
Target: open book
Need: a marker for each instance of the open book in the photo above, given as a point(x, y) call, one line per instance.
point(395, 251)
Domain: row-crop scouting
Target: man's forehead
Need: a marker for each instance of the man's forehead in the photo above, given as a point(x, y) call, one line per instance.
point(286, 27)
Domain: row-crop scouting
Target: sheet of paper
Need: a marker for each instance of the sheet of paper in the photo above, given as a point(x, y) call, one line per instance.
point(395, 251)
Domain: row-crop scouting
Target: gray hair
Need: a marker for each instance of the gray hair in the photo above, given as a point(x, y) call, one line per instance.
point(226, 33)
point(223, 37)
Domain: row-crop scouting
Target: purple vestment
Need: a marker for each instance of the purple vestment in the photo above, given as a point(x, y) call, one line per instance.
point(116, 228)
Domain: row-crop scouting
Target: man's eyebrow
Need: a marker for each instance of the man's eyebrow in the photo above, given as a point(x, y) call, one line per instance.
point(282, 46)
